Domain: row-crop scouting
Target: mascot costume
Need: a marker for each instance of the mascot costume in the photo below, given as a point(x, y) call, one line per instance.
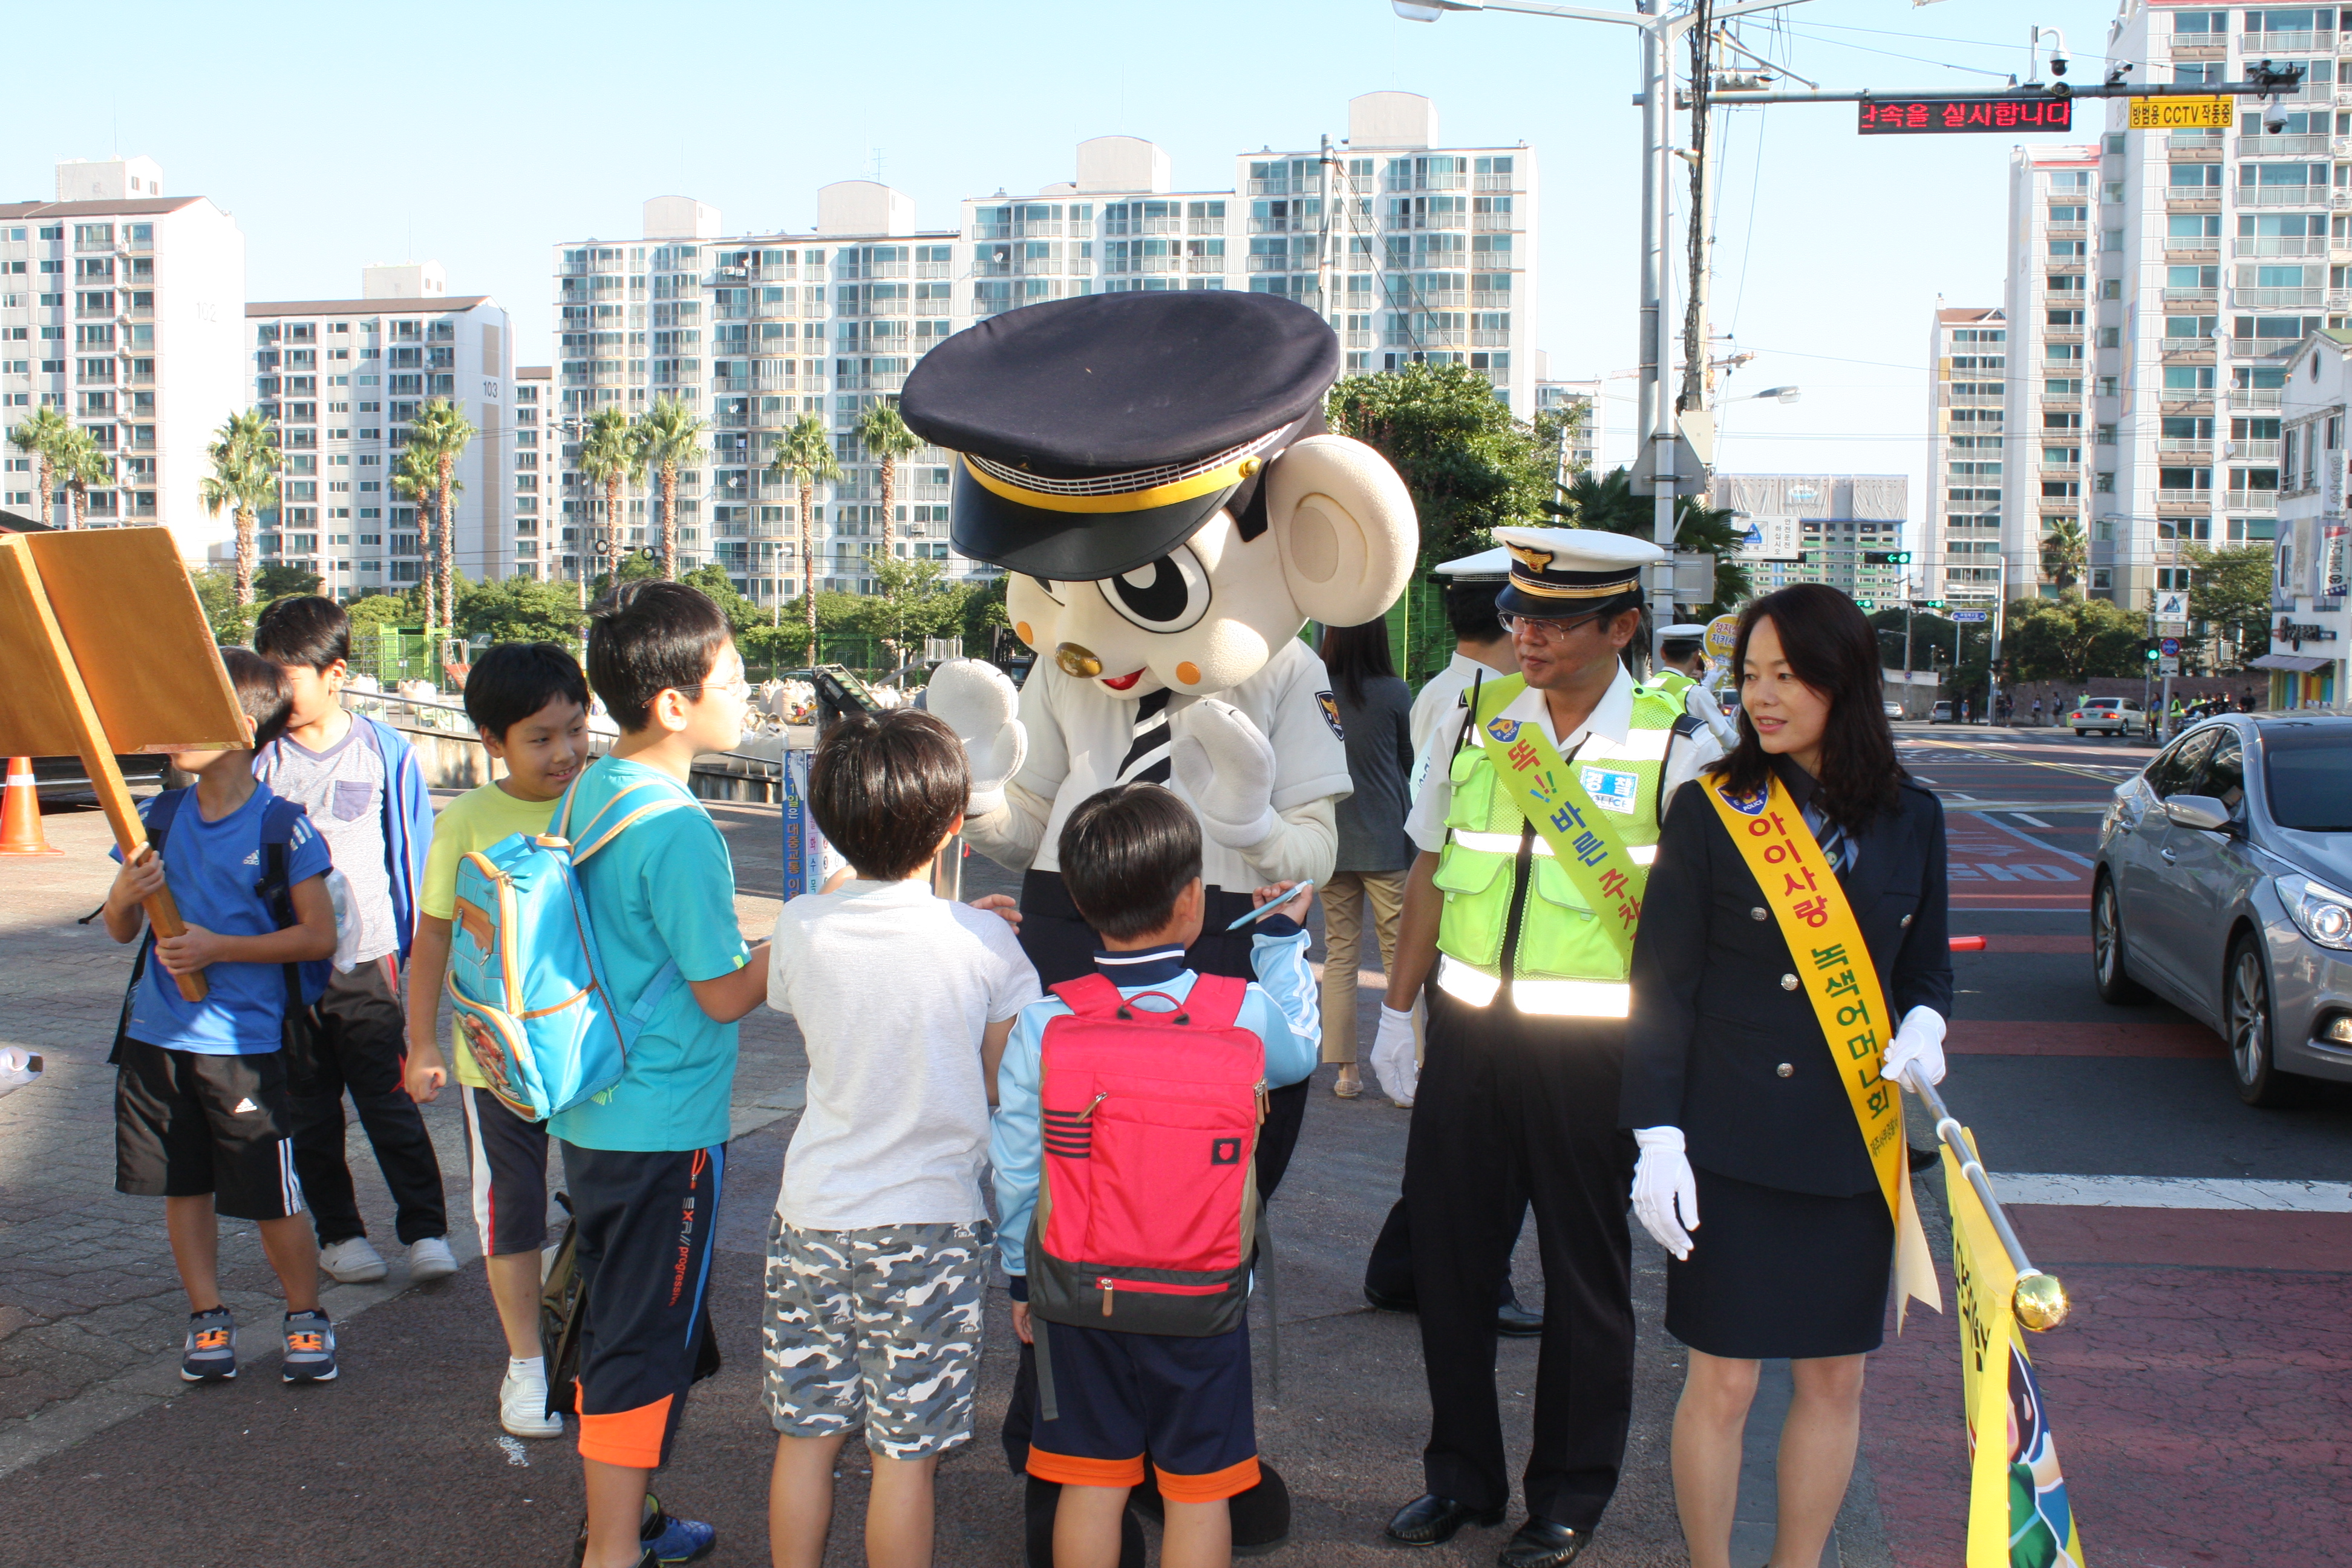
point(1152, 471)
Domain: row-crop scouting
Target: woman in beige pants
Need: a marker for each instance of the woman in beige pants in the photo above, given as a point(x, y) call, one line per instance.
point(1367, 885)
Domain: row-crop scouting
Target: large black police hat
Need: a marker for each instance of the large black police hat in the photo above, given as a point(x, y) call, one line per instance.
point(1097, 434)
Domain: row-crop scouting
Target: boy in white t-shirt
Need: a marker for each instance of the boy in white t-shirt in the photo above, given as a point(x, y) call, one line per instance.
point(877, 1257)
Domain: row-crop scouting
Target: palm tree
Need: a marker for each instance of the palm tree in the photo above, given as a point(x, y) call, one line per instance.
point(41, 435)
point(804, 456)
point(2065, 553)
point(888, 439)
point(81, 463)
point(610, 453)
point(245, 461)
point(415, 477)
point(445, 432)
point(666, 432)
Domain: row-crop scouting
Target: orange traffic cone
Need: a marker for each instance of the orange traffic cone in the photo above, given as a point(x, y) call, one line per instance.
point(20, 813)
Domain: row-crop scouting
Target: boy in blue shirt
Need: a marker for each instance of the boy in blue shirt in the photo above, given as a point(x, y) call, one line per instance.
point(644, 1160)
point(202, 1116)
point(1131, 858)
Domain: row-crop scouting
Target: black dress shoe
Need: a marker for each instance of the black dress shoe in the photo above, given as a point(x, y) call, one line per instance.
point(1541, 1543)
point(1513, 1322)
point(1429, 1520)
point(1388, 1304)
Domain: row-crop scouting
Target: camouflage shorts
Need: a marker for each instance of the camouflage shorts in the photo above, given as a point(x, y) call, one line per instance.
point(878, 1328)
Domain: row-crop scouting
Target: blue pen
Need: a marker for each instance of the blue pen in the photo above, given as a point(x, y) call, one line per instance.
point(1263, 911)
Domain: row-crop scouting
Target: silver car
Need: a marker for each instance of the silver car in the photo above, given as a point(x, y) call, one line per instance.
point(2225, 886)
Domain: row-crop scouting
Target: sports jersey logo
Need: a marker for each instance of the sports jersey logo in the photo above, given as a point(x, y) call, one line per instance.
point(1331, 707)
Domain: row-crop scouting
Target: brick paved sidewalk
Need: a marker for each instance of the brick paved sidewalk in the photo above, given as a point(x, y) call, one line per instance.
point(91, 1309)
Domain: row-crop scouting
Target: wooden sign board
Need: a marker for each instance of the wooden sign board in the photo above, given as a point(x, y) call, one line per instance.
point(104, 649)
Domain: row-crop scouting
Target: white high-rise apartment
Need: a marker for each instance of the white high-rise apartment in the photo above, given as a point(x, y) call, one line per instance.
point(1587, 453)
point(120, 306)
point(1842, 519)
point(2058, 355)
point(1426, 254)
point(342, 379)
point(534, 433)
point(1958, 547)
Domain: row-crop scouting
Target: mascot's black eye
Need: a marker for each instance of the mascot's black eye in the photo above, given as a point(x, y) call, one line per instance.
point(1163, 595)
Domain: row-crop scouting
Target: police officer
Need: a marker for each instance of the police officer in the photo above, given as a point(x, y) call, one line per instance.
point(1682, 659)
point(1521, 927)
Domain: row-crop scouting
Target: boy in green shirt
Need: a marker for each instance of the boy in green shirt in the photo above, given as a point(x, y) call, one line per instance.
point(530, 703)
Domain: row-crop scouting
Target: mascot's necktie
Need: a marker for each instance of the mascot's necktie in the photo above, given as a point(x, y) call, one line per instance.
point(1147, 758)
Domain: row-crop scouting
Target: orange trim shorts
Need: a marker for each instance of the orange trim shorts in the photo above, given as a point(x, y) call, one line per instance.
point(1184, 1402)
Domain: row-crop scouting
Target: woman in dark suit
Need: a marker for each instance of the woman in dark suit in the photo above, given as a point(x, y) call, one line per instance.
point(1730, 1086)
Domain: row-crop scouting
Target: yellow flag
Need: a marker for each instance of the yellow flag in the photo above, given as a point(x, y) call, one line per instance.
point(2019, 1516)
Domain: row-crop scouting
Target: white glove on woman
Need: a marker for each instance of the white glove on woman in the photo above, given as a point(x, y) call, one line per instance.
point(1226, 766)
point(1918, 1047)
point(1663, 1187)
point(980, 704)
point(1392, 1061)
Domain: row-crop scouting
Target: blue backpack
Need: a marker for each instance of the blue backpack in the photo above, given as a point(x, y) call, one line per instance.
point(525, 978)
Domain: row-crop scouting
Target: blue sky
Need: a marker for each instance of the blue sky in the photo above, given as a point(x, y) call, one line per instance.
point(479, 136)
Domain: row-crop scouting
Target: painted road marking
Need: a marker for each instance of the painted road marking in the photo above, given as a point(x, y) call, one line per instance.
point(2029, 821)
point(2174, 1192)
point(2078, 859)
point(2008, 1037)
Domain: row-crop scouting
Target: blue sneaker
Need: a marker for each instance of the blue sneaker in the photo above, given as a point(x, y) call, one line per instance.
point(310, 1348)
point(210, 1353)
point(671, 1540)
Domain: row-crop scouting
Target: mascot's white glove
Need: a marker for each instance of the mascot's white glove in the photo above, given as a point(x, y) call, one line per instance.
point(1226, 766)
point(1392, 1061)
point(980, 704)
point(1663, 1187)
point(1918, 1047)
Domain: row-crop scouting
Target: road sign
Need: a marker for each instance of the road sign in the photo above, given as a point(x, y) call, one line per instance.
point(1768, 539)
point(1886, 557)
point(2183, 113)
point(2172, 604)
point(2170, 647)
point(2172, 628)
point(2168, 665)
point(1971, 615)
point(1944, 116)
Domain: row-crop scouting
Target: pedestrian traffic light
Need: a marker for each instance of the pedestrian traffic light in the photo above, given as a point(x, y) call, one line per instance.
point(2153, 656)
point(1886, 557)
point(1867, 604)
point(1927, 603)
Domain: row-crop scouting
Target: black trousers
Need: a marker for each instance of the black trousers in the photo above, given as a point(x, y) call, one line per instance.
point(1388, 1270)
point(360, 1048)
point(1514, 1111)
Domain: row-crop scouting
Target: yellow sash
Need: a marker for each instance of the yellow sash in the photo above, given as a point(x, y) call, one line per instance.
point(1842, 981)
point(1545, 789)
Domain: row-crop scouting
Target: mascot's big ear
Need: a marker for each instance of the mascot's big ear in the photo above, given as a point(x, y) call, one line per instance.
point(1346, 528)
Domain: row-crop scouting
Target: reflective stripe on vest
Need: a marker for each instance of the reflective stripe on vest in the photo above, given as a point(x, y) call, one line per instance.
point(1547, 998)
point(1558, 938)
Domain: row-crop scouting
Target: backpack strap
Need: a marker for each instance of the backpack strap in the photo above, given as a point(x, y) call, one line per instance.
point(665, 981)
point(1091, 996)
point(275, 888)
point(675, 799)
point(160, 812)
point(1215, 1000)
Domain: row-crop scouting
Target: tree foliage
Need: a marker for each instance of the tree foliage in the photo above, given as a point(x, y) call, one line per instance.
point(2069, 639)
point(1470, 466)
point(521, 609)
point(2230, 589)
point(2066, 553)
point(1609, 502)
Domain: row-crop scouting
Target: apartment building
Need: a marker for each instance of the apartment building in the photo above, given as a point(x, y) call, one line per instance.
point(535, 432)
point(1840, 520)
point(2311, 631)
point(119, 308)
point(2057, 354)
point(1588, 453)
point(342, 379)
point(1958, 547)
point(1416, 253)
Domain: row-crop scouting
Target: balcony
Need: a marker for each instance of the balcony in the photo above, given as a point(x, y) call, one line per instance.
point(2067, 230)
point(2061, 469)
point(2271, 46)
point(1204, 264)
point(2200, 498)
point(2178, 143)
point(2251, 451)
point(2185, 446)
point(2193, 198)
point(2301, 147)
point(2282, 244)
point(2192, 296)
point(2257, 299)
point(2260, 348)
point(2195, 45)
point(1207, 226)
point(1961, 400)
point(2185, 247)
point(2282, 195)
point(2251, 500)
point(2254, 397)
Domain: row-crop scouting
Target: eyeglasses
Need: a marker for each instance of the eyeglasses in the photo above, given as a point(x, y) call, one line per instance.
point(739, 687)
point(1545, 629)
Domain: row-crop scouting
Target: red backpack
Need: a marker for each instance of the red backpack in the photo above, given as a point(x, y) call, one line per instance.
point(1148, 1212)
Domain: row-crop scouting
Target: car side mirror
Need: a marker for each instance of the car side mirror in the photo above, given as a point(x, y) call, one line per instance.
point(2199, 811)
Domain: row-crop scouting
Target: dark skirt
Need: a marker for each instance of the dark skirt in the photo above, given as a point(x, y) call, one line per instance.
point(1774, 1273)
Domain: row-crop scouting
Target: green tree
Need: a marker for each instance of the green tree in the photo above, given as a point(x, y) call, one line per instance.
point(243, 478)
point(41, 435)
point(1557, 430)
point(2068, 639)
point(913, 601)
point(414, 478)
point(444, 432)
point(2065, 553)
point(804, 458)
point(886, 439)
point(231, 622)
point(741, 611)
point(377, 608)
point(610, 456)
point(81, 463)
point(520, 609)
point(272, 584)
point(2230, 591)
point(1470, 466)
point(1607, 502)
point(667, 431)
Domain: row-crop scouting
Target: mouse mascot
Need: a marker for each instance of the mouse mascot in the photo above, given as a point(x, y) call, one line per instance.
point(1152, 471)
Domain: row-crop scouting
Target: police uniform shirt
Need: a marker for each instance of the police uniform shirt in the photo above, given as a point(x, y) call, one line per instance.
point(1438, 701)
point(1607, 732)
point(1080, 734)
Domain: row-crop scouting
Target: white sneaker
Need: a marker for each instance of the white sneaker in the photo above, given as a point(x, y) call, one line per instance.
point(430, 1259)
point(522, 1405)
point(352, 1262)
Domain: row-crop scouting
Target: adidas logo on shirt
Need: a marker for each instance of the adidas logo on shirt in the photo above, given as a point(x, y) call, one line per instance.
point(242, 1106)
point(254, 858)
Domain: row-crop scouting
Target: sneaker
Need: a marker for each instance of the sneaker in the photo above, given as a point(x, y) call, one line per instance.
point(210, 1353)
point(351, 1261)
point(668, 1541)
point(522, 1404)
point(429, 1259)
point(310, 1348)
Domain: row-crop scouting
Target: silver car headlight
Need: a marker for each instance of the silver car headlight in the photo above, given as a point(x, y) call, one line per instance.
point(2321, 912)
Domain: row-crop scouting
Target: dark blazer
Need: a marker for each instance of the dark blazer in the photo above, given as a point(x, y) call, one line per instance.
point(1719, 1047)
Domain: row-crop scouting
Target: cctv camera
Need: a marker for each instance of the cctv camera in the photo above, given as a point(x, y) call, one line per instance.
point(2057, 65)
point(2274, 117)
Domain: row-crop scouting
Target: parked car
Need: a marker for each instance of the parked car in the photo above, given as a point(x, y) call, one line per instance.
point(2108, 716)
point(2223, 884)
point(1891, 709)
point(66, 782)
point(1942, 714)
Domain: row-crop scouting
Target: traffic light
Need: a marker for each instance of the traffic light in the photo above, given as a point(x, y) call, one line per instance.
point(1886, 557)
point(1927, 603)
point(1867, 604)
point(2152, 655)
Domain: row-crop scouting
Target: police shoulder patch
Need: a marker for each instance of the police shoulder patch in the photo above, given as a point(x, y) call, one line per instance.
point(1329, 705)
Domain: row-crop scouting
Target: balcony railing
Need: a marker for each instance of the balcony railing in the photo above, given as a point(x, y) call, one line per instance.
point(2283, 195)
point(2282, 244)
point(2194, 198)
point(2190, 245)
point(2190, 296)
point(2260, 298)
point(2300, 145)
point(2254, 397)
point(2251, 500)
point(2195, 45)
point(2185, 498)
point(2185, 446)
point(2199, 141)
point(2068, 230)
point(2253, 451)
point(2261, 45)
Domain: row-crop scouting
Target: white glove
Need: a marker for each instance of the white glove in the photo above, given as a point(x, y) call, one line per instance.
point(17, 1068)
point(1663, 1187)
point(1918, 1047)
point(980, 704)
point(1393, 1055)
point(1226, 766)
point(1703, 703)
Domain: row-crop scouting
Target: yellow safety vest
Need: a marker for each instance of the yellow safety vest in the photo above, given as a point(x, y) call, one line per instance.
point(1672, 682)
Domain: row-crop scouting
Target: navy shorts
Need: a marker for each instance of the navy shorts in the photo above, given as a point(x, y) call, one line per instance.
point(507, 1157)
point(1184, 1400)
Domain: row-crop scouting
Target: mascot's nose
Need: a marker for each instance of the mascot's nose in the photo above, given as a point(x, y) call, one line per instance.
point(1078, 663)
